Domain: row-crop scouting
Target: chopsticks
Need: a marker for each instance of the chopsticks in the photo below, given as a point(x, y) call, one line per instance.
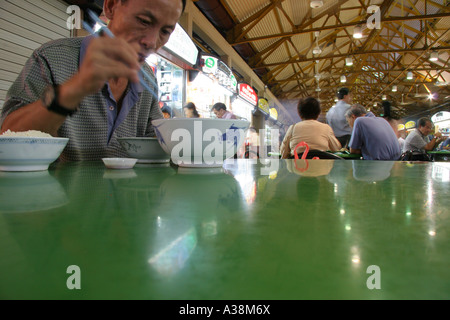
point(111, 35)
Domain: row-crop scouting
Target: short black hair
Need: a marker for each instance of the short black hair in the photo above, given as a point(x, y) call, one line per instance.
point(219, 106)
point(423, 122)
point(342, 92)
point(182, 1)
point(309, 108)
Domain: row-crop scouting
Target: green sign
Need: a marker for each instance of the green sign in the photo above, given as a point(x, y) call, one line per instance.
point(210, 63)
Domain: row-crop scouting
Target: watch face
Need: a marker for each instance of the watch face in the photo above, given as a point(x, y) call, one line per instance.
point(48, 96)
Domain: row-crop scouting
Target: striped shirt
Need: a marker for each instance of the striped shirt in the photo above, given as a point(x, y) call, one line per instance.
point(94, 129)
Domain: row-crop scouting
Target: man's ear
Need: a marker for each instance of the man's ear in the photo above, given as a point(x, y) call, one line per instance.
point(109, 8)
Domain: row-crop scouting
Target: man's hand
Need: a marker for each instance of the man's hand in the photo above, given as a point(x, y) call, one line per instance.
point(106, 58)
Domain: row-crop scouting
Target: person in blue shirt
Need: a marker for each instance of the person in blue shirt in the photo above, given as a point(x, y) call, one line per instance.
point(372, 136)
point(445, 145)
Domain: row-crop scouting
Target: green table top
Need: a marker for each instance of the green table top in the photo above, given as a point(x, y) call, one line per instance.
point(315, 229)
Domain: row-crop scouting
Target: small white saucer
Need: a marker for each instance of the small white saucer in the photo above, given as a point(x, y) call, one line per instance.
point(119, 163)
point(153, 161)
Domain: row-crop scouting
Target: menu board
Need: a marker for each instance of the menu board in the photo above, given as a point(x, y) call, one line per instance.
point(181, 44)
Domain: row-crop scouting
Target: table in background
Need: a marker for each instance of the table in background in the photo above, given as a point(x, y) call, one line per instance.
point(439, 155)
point(306, 229)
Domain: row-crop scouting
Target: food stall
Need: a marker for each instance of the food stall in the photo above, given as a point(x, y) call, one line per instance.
point(214, 83)
point(441, 121)
point(171, 65)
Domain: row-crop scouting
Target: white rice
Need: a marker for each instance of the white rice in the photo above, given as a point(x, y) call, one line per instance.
point(29, 133)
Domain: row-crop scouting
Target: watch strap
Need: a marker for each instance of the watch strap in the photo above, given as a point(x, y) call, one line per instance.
point(55, 107)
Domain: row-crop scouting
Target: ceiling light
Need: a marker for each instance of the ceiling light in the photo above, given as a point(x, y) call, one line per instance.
point(383, 97)
point(348, 61)
point(409, 75)
point(343, 79)
point(394, 88)
point(316, 4)
point(375, 104)
point(317, 50)
point(434, 56)
point(357, 32)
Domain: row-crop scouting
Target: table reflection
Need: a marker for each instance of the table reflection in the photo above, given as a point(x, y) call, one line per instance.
point(30, 192)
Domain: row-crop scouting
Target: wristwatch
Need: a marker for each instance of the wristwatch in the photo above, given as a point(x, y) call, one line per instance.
point(50, 100)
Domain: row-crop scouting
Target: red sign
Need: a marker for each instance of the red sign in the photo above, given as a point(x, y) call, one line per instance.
point(246, 92)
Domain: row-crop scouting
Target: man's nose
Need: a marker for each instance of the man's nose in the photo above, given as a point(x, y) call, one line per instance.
point(150, 40)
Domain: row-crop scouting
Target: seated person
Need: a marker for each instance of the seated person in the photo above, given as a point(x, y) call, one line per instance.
point(318, 136)
point(88, 89)
point(373, 137)
point(445, 145)
point(191, 111)
point(418, 139)
point(221, 112)
point(167, 112)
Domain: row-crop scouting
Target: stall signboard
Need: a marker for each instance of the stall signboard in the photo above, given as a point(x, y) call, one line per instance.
point(441, 116)
point(210, 66)
point(263, 105)
point(247, 93)
point(401, 127)
point(181, 44)
point(274, 113)
point(410, 125)
point(226, 77)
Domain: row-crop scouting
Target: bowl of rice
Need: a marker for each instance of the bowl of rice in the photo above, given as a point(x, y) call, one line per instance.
point(29, 150)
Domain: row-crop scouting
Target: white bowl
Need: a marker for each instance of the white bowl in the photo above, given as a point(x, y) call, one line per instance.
point(193, 142)
point(119, 163)
point(145, 149)
point(28, 153)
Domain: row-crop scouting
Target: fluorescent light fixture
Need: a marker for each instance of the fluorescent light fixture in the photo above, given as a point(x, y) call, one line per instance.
point(348, 61)
point(434, 56)
point(409, 75)
point(343, 79)
point(357, 32)
point(394, 88)
point(316, 4)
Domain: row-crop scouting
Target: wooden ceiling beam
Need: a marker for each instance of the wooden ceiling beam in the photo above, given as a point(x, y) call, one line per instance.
point(339, 26)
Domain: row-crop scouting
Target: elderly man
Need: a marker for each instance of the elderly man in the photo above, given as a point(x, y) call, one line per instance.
point(418, 138)
point(220, 110)
point(373, 137)
point(336, 116)
point(87, 89)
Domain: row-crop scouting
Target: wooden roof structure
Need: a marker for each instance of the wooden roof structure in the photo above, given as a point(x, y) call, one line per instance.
point(300, 51)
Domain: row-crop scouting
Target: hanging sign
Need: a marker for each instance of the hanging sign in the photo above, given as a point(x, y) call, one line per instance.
point(225, 76)
point(263, 105)
point(247, 93)
point(210, 64)
point(410, 125)
point(401, 127)
point(274, 113)
point(181, 44)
